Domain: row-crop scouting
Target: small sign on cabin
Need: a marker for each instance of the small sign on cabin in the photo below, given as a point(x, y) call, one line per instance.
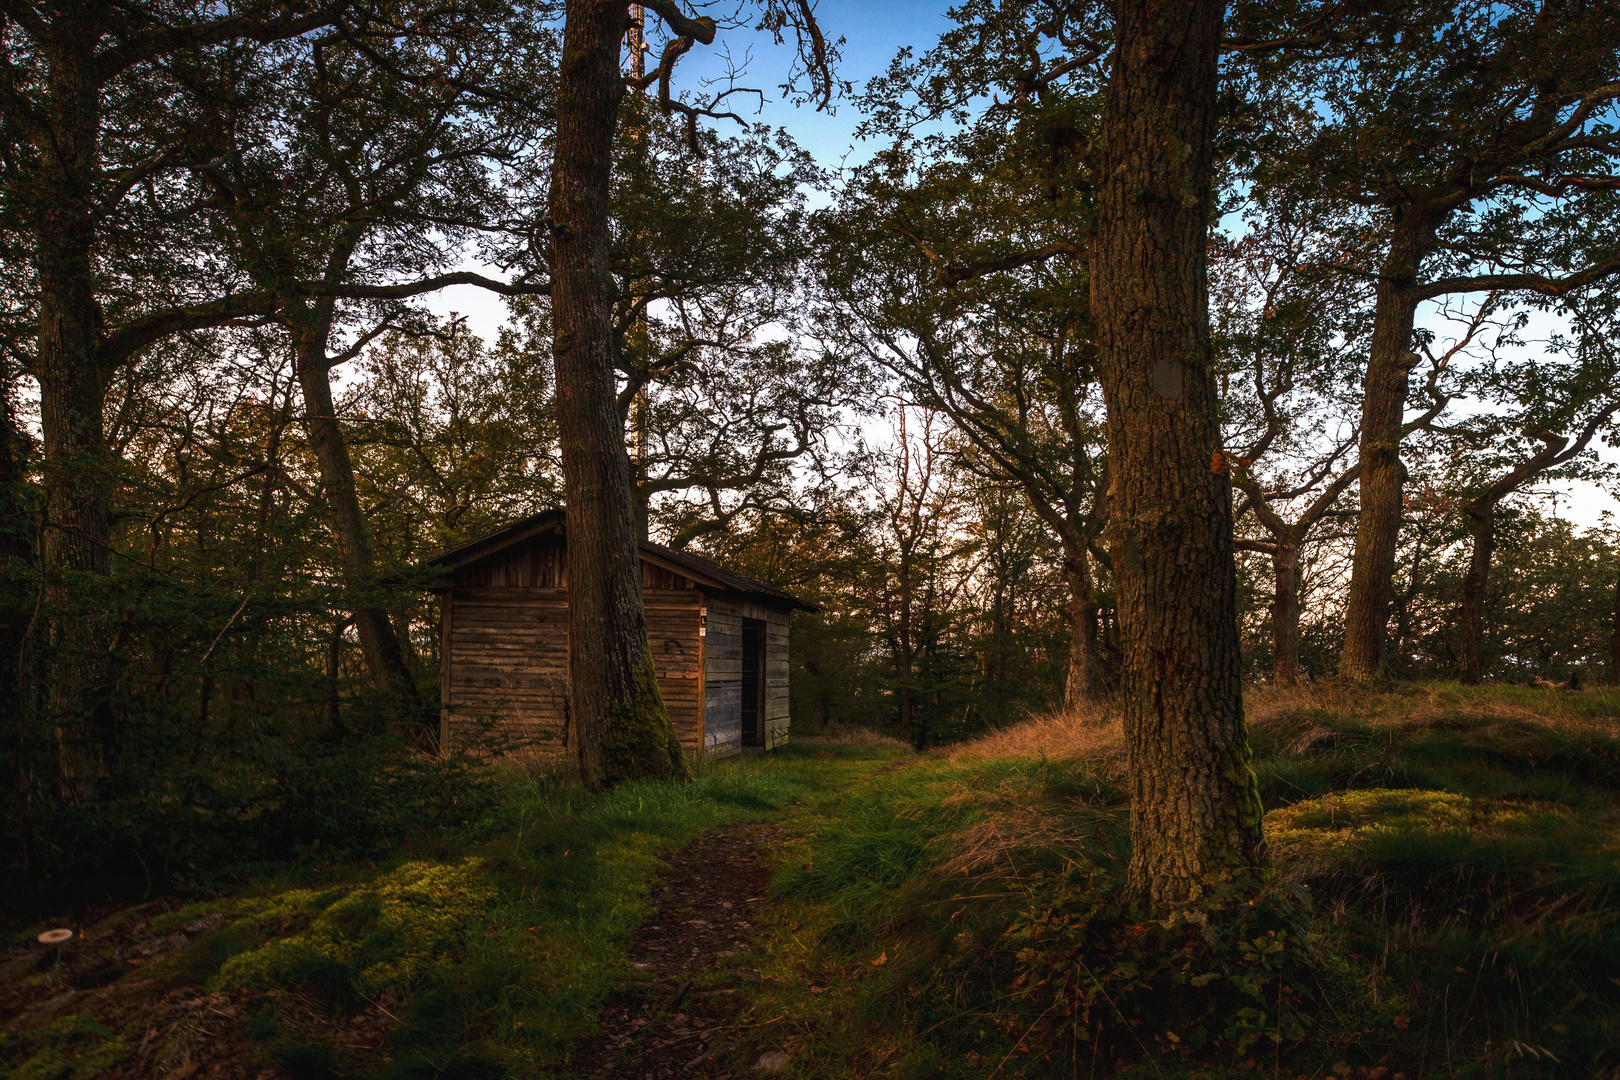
point(719, 642)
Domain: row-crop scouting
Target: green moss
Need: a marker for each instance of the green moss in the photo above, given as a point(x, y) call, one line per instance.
point(70, 1048)
point(385, 935)
point(1348, 825)
point(638, 740)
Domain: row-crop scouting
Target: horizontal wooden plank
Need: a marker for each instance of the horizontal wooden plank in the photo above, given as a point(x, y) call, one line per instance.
point(532, 637)
point(485, 594)
point(505, 680)
point(482, 670)
point(549, 617)
point(509, 642)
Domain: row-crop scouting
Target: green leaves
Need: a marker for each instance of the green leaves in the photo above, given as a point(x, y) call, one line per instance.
point(1230, 970)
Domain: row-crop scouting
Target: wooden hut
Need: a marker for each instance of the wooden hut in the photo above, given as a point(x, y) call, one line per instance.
point(719, 642)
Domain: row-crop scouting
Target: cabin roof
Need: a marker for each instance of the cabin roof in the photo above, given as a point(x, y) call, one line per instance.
point(701, 570)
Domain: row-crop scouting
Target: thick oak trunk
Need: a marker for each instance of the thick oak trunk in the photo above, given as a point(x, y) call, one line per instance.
point(379, 644)
point(1195, 804)
point(1383, 408)
point(1285, 616)
point(621, 725)
point(1482, 526)
point(78, 470)
point(1084, 683)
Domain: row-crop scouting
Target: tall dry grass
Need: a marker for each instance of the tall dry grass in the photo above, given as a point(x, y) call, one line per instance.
point(848, 735)
point(1439, 705)
point(1301, 717)
point(1091, 733)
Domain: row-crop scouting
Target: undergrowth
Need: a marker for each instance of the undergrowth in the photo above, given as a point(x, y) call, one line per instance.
point(1456, 847)
point(494, 950)
point(1443, 900)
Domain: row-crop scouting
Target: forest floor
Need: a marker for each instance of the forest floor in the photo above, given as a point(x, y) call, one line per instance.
point(847, 908)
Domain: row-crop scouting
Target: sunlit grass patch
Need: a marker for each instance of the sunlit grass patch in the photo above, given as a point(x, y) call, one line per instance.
point(1349, 824)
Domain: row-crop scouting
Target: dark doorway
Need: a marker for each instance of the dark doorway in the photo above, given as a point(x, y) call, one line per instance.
point(753, 682)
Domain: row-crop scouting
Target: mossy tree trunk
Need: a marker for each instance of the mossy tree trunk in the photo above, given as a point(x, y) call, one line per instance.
point(1195, 804)
point(622, 729)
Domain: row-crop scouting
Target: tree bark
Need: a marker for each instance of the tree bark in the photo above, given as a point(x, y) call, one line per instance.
point(623, 731)
point(1285, 616)
point(1482, 526)
point(1195, 804)
point(1083, 684)
point(1383, 408)
point(310, 332)
point(72, 388)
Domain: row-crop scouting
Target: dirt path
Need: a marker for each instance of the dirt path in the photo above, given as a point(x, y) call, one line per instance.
point(710, 903)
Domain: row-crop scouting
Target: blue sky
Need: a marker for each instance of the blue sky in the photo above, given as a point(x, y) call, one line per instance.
point(873, 34)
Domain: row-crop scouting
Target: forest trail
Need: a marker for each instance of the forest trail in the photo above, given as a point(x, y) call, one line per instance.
point(693, 1016)
point(709, 904)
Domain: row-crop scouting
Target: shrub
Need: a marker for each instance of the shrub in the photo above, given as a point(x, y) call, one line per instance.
point(1229, 970)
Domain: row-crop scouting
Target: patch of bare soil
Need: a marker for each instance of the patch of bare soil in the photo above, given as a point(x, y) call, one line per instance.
point(709, 904)
point(118, 972)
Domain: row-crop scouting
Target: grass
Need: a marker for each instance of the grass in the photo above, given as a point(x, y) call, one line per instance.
point(1460, 845)
point(493, 953)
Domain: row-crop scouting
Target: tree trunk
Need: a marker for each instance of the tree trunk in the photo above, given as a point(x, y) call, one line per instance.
point(1083, 685)
point(1383, 408)
point(1195, 803)
point(1483, 527)
point(77, 467)
point(1285, 616)
point(623, 728)
point(19, 684)
point(907, 658)
point(356, 562)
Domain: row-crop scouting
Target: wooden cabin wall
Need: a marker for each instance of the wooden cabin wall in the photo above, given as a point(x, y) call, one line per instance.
point(723, 671)
point(722, 702)
point(507, 661)
point(506, 648)
point(776, 678)
point(672, 631)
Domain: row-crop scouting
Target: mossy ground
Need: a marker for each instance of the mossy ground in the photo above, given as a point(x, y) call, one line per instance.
point(1461, 845)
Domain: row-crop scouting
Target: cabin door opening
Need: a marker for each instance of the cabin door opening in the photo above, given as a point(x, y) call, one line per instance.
point(753, 682)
